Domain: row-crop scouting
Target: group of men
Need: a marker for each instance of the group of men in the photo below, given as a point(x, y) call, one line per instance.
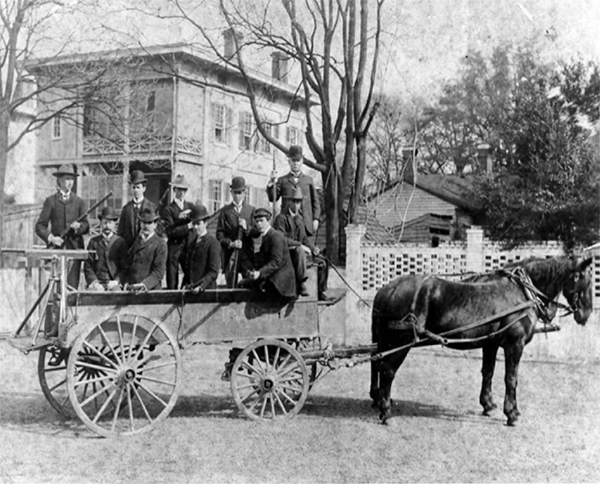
point(131, 256)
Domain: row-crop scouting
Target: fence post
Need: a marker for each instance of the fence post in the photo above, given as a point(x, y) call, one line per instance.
point(354, 266)
point(475, 262)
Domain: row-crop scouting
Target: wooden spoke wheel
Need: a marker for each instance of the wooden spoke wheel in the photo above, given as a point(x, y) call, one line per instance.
point(315, 370)
point(269, 380)
point(124, 375)
point(52, 374)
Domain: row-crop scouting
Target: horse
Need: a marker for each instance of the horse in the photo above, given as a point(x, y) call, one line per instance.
point(490, 311)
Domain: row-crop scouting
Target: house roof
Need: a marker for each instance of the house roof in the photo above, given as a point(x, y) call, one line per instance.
point(375, 232)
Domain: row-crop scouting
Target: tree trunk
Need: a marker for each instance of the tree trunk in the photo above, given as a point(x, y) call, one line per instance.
point(331, 183)
point(4, 126)
point(359, 178)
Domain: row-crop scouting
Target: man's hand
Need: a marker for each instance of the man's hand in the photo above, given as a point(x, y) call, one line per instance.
point(185, 213)
point(316, 250)
point(242, 223)
point(55, 240)
point(96, 286)
point(305, 249)
point(113, 286)
point(254, 275)
point(136, 288)
point(75, 226)
point(198, 289)
point(235, 244)
point(273, 177)
point(315, 225)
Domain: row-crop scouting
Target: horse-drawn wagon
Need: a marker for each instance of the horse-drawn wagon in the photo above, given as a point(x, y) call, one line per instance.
point(114, 359)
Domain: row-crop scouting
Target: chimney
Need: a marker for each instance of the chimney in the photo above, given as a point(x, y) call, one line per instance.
point(229, 42)
point(279, 66)
point(409, 156)
point(484, 158)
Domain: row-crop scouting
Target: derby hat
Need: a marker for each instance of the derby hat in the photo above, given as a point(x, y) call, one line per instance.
point(108, 213)
point(148, 215)
point(295, 152)
point(179, 182)
point(238, 183)
point(137, 177)
point(65, 170)
point(293, 193)
point(262, 212)
point(198, 212)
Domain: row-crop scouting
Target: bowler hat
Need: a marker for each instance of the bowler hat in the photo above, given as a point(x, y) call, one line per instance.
point(137, 177)
point(108, 213)
point(293, 193)
point(198, 212)
point(238, 183)
point(295, 152)
point(148, 215)
point(64, 170)
point(179, 182)
point(262, 212)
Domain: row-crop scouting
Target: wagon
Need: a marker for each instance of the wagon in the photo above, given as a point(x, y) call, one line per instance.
point(114, 359)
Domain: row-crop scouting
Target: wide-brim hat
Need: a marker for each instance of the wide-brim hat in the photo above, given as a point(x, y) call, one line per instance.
point(262, 212)
point(293, 193)
point(108, 213)
point(179, 182)
point(65, 170)
point(148, 214)
point(198, 212)
point(238, 183)
point(295, 152)
point(137, 177)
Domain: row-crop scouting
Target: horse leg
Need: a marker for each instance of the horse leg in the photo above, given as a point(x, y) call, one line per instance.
point(374, 390)
point(486, 399)
point(387, 371)
point(512, 356)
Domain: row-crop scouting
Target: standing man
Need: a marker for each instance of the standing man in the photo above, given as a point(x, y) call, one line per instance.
point(202, 254)
point(108, 255)
point(235, 230)
point(275, 272)
point(61, 211)
point(129, 223)
point(147, 257)
point(302, 248)
point(310, 209)
point(176, 217)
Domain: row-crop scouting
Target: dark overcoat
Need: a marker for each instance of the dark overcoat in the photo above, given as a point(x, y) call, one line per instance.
point(311, 208)
point(176, 230)
point(146, 262)
point(59, 214)
point(111, 257)
point(228, 230)
point(276, 264)
point(129, 224)
point(202, 260)
point(294, 229)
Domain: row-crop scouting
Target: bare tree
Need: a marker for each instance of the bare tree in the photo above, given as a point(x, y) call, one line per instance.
point(335, 47)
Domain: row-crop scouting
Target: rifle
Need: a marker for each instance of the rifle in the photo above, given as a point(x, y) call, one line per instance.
point(81, 217)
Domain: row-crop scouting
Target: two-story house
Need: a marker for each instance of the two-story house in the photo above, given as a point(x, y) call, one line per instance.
point(180, 111)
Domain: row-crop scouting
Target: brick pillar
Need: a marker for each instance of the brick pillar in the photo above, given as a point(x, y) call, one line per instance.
point(475, 250)
point(354, 322)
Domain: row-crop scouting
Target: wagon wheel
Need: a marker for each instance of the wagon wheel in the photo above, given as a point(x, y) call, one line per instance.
point(53, 379)
point(124, 375)
point(269, 380)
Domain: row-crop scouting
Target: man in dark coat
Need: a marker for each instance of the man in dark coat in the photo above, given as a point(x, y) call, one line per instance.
point(275, 272)
point(235, 231)
point(129, 222)
point(147, 257)
point(202, 253)
point(303, 251)
point(176, 217)
point(108, 255)
point(311, 208)
point(61, 211)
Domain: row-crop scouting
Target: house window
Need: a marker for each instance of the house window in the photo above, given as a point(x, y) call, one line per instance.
point(215, 195)
point(246, 131)
point(220, 122)
point(293, 136)
point(264, 146)
point(258, 197)
point(56, 125)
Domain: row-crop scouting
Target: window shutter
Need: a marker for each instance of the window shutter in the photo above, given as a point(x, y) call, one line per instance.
point(241, 127)
point(230, 127)
point(211, 135)
point(275, 131)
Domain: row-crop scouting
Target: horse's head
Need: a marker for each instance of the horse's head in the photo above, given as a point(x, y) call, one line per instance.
point(577, 289)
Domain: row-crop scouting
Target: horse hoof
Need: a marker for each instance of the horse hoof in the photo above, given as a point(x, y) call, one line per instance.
point(488, 410)
point(383, 418)
point(511, 422)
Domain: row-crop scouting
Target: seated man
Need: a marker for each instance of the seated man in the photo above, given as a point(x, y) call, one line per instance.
point(108, 253)
point(147, 257)
point(290, 223)
point(274, 273)
point(201, 253)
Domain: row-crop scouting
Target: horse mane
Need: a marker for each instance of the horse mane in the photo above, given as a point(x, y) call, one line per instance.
point(547, 274)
